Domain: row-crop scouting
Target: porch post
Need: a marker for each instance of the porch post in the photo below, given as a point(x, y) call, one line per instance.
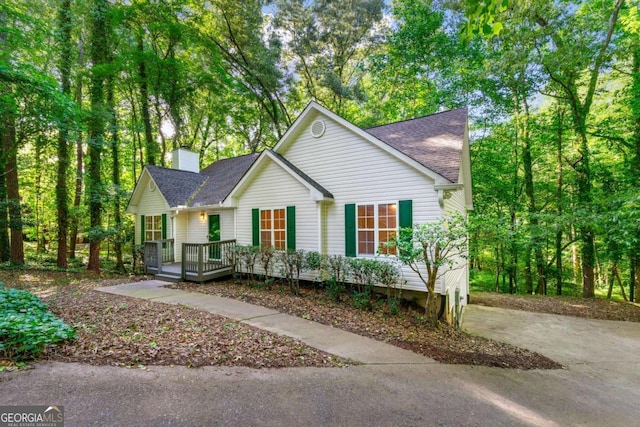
point(183, 274)
point(159, 253)
point(200, 261)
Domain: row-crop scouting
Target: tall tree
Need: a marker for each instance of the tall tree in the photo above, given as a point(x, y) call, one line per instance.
point(327, 43)
point(574, 60)
point(4, 207)
point(62, 193)
point(79, 169)
point(236, 31)
point(99, 51)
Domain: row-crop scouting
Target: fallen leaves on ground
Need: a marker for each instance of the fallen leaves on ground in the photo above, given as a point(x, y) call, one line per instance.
point(591, 308)
point(406, 329)
point(125, 331)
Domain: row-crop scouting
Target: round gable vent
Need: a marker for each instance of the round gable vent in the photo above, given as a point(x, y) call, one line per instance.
point(317, 128)
point(152, 186)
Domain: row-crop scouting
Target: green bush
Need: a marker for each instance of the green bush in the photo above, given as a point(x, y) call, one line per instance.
point(334, 289)
point(27, 325)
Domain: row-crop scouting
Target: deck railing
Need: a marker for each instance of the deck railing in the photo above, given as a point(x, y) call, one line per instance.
point(200, 260)
point(157, 252)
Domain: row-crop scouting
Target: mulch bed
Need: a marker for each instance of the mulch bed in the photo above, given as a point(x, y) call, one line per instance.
point(407, 329)
point(123, 331)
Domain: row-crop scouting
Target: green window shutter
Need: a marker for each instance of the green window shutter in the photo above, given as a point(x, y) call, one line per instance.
point(405, 220)
point(255, 225)
point(405, 213)
point(141, 229)
point(164, 226)
point(291, 228)
point(350, 230)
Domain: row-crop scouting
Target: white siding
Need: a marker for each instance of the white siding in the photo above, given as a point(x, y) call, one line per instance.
point(356, 171)
point(181, 222)
point(191, 228)
point(459, 277)
point(274, 188)
point(456, 202)
point(152, 203)
point(227, 224)
point(199, 227)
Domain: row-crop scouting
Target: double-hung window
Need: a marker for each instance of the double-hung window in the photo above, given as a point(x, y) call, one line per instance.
point(273, 228)
point(377, 224)
point(153, 227)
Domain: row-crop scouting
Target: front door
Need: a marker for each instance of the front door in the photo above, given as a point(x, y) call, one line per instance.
point(214, 235)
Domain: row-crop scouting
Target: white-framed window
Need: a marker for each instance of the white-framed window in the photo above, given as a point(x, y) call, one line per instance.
point(273, 228)
point(153, 227)
point(377, 224)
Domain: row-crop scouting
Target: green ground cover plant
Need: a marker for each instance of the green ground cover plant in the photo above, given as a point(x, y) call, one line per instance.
point(27, 326)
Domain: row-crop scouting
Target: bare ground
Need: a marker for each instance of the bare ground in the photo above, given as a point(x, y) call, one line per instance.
point(596, 308)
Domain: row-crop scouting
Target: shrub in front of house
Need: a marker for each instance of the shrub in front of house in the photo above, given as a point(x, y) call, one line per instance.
point(27, 326)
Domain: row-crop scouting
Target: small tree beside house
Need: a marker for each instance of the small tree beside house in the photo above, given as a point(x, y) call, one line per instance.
point(433, 249)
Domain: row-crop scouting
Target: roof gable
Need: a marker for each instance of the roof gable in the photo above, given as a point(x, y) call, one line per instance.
point(316, 191)
point(424, 143)
point(190, 189)
point(435, 141)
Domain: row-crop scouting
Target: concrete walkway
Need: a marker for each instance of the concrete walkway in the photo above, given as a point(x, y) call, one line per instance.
point(326, 338)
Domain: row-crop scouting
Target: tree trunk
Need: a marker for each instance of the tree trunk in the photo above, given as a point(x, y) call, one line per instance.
point(150, 145)
point(634, 257)
point(513, 258)
point(115, 156)
point(587, 239)
point(9, 142)
point(62, 193)
point(615, 272)
point(99, 53)
point(4, 207)
point(559, 209)
point(611, 280)
point(431, 308)
point(41, 241)
point(77, 199)
point(7, 132)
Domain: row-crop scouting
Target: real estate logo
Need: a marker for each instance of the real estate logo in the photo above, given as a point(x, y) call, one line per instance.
point(32, 416)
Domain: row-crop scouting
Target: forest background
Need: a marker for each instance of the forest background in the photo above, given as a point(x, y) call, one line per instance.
point(92, 90)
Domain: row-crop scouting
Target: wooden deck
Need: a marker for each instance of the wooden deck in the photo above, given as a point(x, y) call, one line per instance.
point(172, 272)
point(201, 262)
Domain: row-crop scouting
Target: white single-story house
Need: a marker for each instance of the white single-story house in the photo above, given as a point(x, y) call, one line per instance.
point(327, 186)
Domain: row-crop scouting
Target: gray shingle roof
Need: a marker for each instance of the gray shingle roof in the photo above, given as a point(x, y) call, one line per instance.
point(209, 187)
point(434, 141)
point(223, 176)
point(177, 186)
point(303, 175)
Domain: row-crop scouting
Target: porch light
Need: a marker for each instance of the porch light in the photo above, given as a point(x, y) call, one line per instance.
point(203, 215)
